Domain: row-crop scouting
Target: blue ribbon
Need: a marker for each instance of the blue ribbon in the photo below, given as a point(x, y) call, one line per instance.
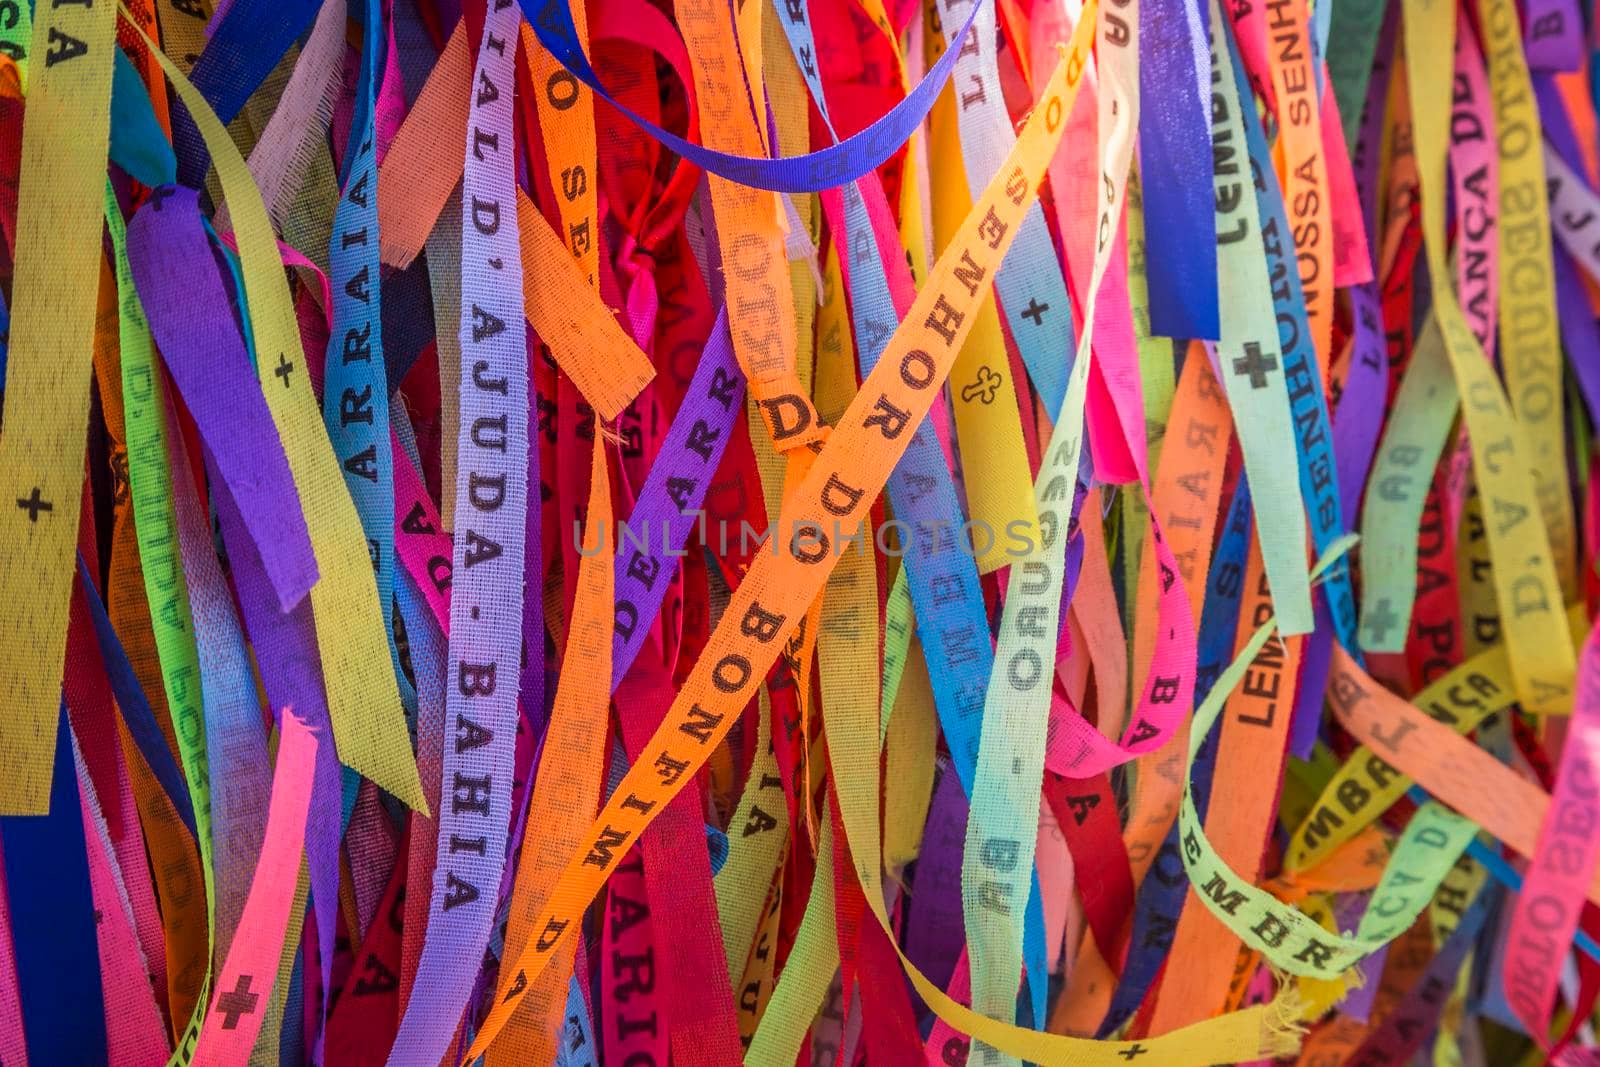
point(1175, 168)
point(823, 169)
point(242, 51)
point(53, 923)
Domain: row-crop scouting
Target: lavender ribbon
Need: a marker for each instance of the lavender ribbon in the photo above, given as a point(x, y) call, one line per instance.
point(487, 565)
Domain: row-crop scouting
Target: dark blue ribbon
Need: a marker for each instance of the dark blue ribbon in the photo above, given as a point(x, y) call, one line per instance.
point(248, 43)
point(136, 713)
point(53, 923)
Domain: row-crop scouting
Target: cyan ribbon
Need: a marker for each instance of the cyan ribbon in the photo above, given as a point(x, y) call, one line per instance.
point(355, 395)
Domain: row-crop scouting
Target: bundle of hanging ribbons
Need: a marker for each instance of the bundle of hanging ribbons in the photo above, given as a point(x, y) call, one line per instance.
point(860, 532)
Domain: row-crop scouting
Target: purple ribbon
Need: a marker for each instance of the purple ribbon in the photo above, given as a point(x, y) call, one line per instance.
point(1553, 35)
point(935, 937)
point(669, 503)
point(176, 273)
